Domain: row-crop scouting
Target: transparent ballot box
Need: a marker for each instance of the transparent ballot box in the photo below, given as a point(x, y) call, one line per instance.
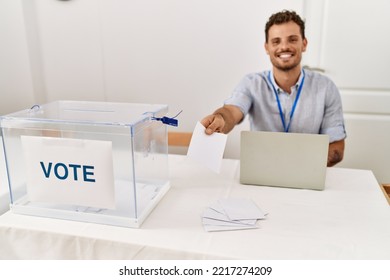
point(95, 162)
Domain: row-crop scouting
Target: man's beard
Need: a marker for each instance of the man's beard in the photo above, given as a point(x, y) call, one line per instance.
point(286, 68)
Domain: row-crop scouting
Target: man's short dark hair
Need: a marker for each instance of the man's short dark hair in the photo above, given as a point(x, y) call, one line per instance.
point(284, 17)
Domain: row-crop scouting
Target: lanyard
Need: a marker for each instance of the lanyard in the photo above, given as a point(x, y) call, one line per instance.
point(286, 129)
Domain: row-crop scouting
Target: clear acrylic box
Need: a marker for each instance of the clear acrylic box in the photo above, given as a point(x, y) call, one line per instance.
point(95, 162)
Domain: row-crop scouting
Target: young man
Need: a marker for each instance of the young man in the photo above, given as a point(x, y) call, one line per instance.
point(287, 98)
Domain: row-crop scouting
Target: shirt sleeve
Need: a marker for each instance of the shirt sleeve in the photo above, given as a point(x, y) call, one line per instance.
point(333, 120)
point(241, 95)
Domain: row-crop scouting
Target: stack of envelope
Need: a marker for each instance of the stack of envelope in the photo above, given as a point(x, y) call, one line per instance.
point(232, 214)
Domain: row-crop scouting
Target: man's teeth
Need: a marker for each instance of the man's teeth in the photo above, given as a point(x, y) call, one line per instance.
point(285, 55)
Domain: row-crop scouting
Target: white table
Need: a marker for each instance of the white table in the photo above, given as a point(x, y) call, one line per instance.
point(350, 219)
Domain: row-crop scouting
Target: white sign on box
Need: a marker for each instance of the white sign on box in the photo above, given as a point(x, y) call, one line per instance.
point(69, 171)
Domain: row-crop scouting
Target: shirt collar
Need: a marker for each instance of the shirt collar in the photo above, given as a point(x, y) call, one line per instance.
point(278, 89)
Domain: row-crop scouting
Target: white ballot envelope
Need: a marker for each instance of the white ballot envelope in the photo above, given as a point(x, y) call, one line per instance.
point(207, 149)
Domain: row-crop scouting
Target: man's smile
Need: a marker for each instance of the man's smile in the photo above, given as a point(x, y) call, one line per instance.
point(285, 55)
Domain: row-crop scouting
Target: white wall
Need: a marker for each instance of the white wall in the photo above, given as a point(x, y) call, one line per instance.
point(16, 90)
point(188, 54)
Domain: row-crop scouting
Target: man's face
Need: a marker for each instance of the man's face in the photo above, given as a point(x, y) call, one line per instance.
point(285, 45)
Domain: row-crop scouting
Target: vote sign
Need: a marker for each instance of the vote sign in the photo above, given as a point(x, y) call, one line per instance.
point(69, 171)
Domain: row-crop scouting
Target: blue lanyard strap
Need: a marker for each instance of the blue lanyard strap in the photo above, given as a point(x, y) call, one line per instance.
point(287, 128)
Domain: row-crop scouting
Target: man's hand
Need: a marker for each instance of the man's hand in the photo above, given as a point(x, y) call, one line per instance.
point(336, 152)
point(222, 120)
point(213, 123)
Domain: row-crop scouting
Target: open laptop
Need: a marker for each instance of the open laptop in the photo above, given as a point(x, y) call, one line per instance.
point(293, 160)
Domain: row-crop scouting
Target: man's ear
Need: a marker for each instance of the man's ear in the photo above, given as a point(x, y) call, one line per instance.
point(266, 48)
point(304, 42)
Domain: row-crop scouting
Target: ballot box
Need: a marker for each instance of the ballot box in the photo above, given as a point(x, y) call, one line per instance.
point(95, 162)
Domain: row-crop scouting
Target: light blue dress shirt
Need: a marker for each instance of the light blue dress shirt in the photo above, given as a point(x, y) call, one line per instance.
point(318, 110)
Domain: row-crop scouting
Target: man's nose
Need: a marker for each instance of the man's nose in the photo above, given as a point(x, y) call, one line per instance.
point(285, 45)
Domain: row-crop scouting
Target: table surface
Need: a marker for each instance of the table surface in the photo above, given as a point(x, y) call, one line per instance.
point(350, 219)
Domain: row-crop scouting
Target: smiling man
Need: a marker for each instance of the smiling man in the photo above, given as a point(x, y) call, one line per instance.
point(286, 98)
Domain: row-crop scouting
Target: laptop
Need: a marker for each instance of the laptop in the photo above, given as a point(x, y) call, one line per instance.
point(292, 160)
